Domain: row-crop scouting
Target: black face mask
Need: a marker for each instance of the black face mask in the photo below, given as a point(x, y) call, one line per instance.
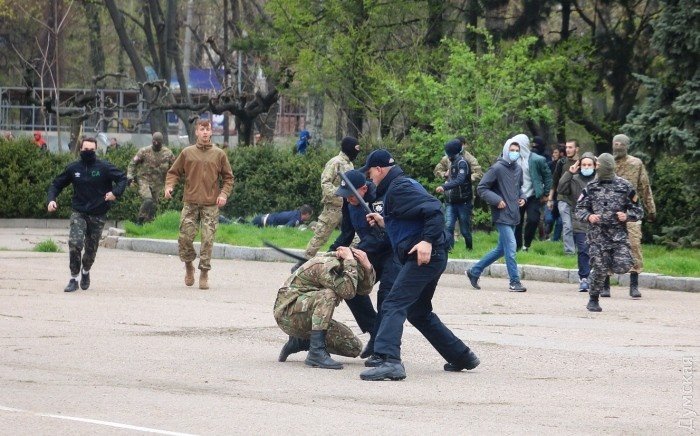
point(351, 151)
point(157, 146)
point(88, 156)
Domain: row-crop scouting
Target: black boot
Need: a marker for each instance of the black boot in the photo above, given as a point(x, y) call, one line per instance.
point(634, 285)
point(593, 305)
point(318, 356)
point(293, 345)
point(605, 293)
point(369, 348)
point(468, 360)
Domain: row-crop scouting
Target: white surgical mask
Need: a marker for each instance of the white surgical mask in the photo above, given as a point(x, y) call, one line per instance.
point(587, 172)
point(513, 155)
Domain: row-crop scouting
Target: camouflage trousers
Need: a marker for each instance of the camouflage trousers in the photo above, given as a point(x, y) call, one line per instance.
point(195, 217)
point(85, 232)
point(605, 260)
point(634, 231)
point(327, 222)
point(314, 311)
point(149, 192)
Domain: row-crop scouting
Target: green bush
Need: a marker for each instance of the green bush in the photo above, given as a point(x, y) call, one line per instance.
point(677, 200)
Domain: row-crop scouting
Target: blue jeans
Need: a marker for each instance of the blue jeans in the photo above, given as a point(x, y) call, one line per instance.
point(505, 248)
point(463, 212)
point(584, 260)
point(411, 298)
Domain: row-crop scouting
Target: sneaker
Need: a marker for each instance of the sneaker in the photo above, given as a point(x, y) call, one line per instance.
point(517, 287)
point(71, 286)
point(387, 370)
point(474, 280)
point(525, 249)
point(84, 281)
point(583, 285)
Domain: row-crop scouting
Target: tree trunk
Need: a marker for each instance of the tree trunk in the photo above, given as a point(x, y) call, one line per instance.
point(314, 118)
point(97, 55)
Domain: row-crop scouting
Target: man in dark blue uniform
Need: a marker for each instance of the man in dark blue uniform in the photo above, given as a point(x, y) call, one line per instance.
point(375, 243)
point(289, 218)
point(415, 225)
point(96, 184)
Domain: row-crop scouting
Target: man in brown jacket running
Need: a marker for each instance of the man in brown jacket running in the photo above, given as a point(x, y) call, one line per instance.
point(202, 164)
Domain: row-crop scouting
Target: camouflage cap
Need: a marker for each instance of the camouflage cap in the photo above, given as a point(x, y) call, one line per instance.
point(157, 136)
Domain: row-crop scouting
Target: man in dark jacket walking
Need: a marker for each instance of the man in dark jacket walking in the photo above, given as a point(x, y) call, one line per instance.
point(414, 223)
point(501, 188)
point(96, 184)
point(458, 195)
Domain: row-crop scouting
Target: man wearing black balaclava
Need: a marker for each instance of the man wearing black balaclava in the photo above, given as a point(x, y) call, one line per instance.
point(96, 184)
point(332, 204)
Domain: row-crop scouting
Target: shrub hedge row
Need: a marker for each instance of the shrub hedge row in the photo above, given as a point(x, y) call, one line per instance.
point(269, 178)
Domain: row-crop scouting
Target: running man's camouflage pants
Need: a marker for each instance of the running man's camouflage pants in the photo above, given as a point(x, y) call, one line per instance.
point(327, 222)
point(149, 193)
point(85, 232)
point(193, 218)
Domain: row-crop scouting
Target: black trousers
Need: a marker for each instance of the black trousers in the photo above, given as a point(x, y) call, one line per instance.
point(533, 210)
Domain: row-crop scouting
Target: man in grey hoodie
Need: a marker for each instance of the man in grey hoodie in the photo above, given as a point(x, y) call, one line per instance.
point(501, 188)
point(537, 181)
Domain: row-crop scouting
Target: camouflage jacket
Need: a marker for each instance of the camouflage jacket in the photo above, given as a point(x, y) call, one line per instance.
point(606, 198)
point(632, 169)
point(330, 180)
point(444, 166)
point(325, 271)
point(150, 166)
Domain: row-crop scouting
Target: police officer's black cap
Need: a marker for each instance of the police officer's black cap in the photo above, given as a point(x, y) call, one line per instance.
point(356, 178)
point(378, 158)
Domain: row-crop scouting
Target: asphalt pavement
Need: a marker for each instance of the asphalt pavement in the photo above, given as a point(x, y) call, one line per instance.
point(139, 352)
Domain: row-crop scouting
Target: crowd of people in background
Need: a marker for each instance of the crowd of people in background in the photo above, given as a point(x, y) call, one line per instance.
point(392, 231)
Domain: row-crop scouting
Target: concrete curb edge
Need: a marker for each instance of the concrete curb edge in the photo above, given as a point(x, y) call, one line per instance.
point(454, 266)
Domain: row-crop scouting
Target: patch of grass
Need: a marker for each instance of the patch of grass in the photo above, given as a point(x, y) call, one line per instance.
point(657, 259)
point(47, 246)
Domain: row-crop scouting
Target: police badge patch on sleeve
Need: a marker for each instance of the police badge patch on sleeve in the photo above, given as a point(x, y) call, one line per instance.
point(378, 206)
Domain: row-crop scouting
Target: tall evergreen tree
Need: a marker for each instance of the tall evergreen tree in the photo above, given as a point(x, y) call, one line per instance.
point(665, 127)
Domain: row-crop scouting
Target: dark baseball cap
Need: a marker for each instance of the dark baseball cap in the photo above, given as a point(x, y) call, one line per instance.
point(356, 178)
point(378, 158)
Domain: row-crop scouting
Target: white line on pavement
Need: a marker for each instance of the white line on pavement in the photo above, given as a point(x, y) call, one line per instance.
point(98, 422)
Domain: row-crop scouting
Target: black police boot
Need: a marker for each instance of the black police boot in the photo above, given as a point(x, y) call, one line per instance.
point(71, 286)
point(85, 281)
point(391, 369)
point(593, 305)
point(468, 360)
point(634, 285)
point(293, 345)
point(374, 361)
point(605, 293)
point(369, 348)
point(318, 356)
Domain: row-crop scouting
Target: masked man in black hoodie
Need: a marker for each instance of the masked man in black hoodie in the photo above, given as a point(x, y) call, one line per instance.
point(96, 184)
